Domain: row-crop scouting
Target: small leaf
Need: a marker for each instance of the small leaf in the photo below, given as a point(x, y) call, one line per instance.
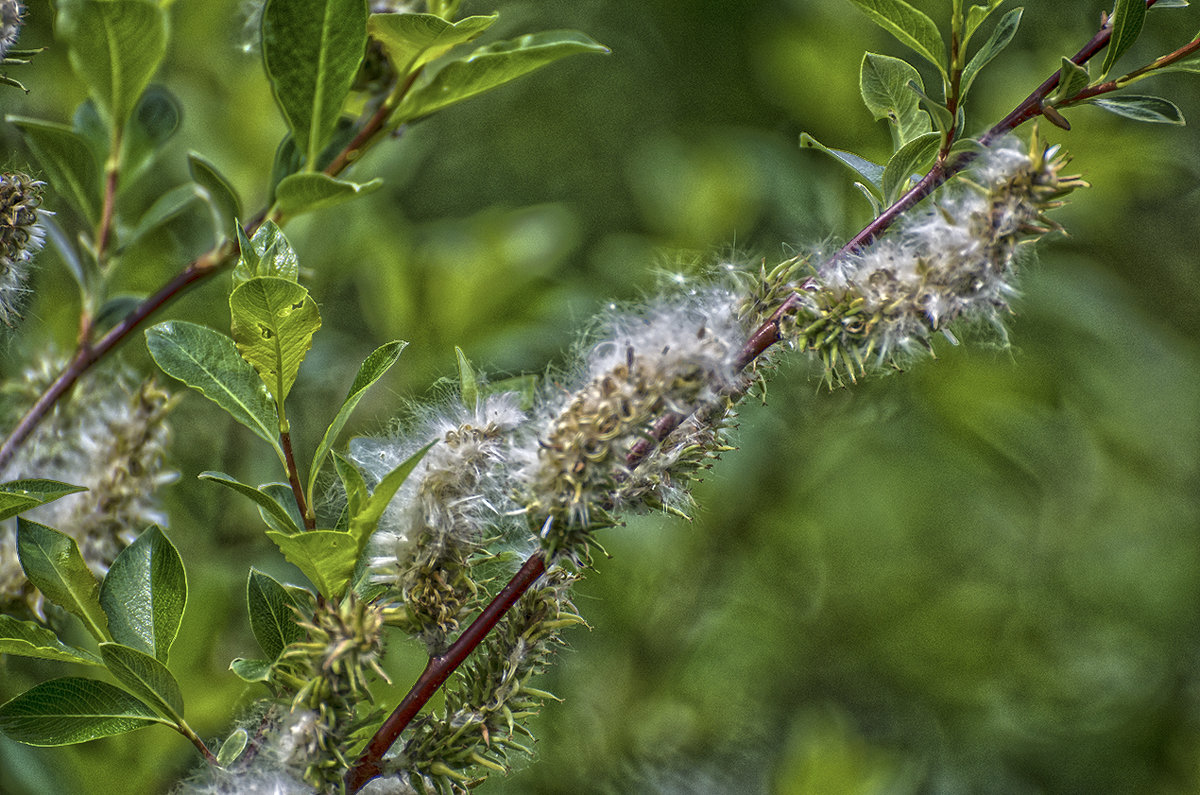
point(155, 120)
point(311, 51)
point(523, 386)
point(412, 40)
point(914, 156)
point(468, 382)
point(166, 207)
point(326, 557)
point(17, 496)
point(146, 678)
point(251, 671)
point(284, 497)
point(883, 81)
point(73, 710)
point(491, 66)
point(976, 15)
point(363, 521)
point(1072, 78)
point(114, 47)
point(304, 193)
point(52, 562)
point(272, 614)
point(352, 482)
point(268, 253)
point(144, 594)
point(1127, 20)
point(220, 196)
point(910, 26)
point(373, 368)
point(68, 161)
point(208, 361)
point(1002, 34)
point(871, 172)
point(29, 639)
point(274, 321)
point(232, 748)
point(1141, 108)
point(282, 520)
point(942, 118)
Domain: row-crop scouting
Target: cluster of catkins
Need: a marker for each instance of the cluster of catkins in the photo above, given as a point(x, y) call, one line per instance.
point(111, 438)
point(21, 236)
point(644, 410)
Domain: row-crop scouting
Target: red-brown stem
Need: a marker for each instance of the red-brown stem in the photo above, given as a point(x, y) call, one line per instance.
point(1187, 50)
point(438, 670)
point(104, 231)
point(285, 441)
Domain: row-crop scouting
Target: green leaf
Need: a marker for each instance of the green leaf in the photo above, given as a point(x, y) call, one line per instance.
point(311, 50)
point(1171, 4)
point(883, 81)
point(114, 47)
point(17, 496)
point(52, 562)
point(209, 362)
point(364, 521)
point(280, 519)
point(910, 26)
point(943, 120)
point(73, 710)
point(220, 196)
point(1141, 108)
point(915, 156)
point(144, 594)
point(1127, 20)
point(146, 678)
point(491, 66)
point(232, 748)
point(268, 253)
point(412, 40)
point(468, 382)
point(251, 671)
point(976, 15)
point(352, 482)
point(274, 321)
point(326, 557)
point(1072, 78)
point(68, 161)
point(871, 173)
point(523, 386)
point(29, 639)
point(1002, 34)
point(373, 368)
point(272, 614)
point(304, 193)
point(284, 497)
point(155, 119)
point(166, 207)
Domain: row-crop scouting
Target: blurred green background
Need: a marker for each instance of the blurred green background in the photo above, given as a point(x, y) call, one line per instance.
point(982, 575)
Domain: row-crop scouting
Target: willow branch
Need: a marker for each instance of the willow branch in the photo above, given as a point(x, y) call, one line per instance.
point(440, 667)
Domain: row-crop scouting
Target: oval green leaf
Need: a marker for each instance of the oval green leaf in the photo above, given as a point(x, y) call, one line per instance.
point(52, 562)
point(146, 677)
point(304, 193)
point(1001, 36)
point(268, 253)
point(491, 66)
point(326, 557)
point(144, 594)
point(209, 362)
point(412, 40)
point(911, 27)
point(274, 321)
point(217, 192)
point(17, 496)
point(68, 161)
point(915, 156)
point(311, 51)
point(272, 614)
point(279, 519)
point(29, 639)
point(73, 710)
point(1138, 107)
point(883, 81)
point(114, 47)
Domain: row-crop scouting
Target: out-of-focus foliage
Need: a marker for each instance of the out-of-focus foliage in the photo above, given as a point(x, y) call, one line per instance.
point(982, 575)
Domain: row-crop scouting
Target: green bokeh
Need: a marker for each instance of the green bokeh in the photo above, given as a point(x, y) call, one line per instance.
point(982, 575)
